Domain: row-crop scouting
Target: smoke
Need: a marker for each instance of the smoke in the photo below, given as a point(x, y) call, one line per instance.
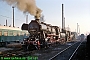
point(38, 13)
point(27, 6)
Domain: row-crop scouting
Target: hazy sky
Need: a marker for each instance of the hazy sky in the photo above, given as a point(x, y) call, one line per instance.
point(75, 11)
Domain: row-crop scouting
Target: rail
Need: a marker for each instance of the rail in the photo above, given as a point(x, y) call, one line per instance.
point(74, 51)
point(61, 52)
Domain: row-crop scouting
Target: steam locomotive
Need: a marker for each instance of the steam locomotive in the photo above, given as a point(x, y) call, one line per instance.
point(43, 35)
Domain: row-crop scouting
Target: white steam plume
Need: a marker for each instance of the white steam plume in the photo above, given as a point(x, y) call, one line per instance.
point(25, 6)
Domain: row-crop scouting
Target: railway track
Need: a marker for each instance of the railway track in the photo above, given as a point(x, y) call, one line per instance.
point(81, 53)
point(67, 53)
point(75, 51)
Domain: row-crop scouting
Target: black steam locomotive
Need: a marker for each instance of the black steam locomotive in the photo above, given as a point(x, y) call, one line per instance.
point(42, 35)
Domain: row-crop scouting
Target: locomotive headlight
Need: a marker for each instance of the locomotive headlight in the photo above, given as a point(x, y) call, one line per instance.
point(46, 39)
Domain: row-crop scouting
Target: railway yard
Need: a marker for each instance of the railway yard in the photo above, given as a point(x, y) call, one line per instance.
point(69, 51)
point(42, 39)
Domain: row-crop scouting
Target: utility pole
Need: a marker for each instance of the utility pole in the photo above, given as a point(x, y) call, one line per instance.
point(13, 15)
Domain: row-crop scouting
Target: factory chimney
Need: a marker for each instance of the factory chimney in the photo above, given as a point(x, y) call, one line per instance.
point(26, 19)
point(13, 16)
point(62, 19)
point(6, 22)
point(64, 22)
point(77, 28)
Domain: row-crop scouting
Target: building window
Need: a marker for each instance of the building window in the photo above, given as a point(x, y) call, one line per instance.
point(23, 33)
point(5, 33)
point(10, 33)
point(14, 33)
point(0, 33)
point(18, 33)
